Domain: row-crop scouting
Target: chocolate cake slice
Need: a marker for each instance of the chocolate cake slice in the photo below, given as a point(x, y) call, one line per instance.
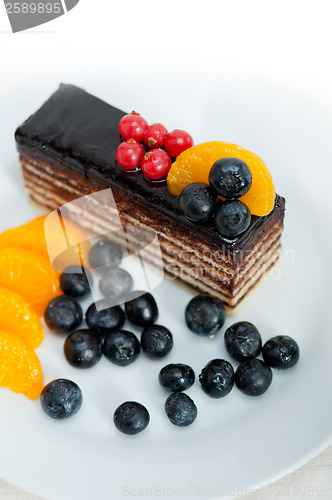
point(67, 150)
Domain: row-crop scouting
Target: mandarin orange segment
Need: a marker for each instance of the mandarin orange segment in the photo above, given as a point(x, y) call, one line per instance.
point(66, 243)
point(29, 274)
point(29, 236)
point(17, 316)
point(60, 233)
point(194, 165)
point(20, 368)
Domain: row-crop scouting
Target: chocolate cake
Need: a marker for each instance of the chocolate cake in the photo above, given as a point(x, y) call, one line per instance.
point(67, 150)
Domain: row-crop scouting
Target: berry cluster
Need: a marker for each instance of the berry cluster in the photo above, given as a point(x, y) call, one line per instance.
point(243, 343)
point(149, 147)
point(105, 336)
point(229, 178)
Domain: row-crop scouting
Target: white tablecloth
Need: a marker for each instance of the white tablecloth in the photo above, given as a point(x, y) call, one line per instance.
point(313, 481)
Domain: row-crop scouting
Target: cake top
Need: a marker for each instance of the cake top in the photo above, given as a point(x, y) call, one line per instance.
point(81, 131)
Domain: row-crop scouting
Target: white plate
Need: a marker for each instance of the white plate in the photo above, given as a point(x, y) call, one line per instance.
point(236, 443)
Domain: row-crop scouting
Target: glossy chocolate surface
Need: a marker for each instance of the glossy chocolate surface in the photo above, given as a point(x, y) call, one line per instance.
point(80, 131)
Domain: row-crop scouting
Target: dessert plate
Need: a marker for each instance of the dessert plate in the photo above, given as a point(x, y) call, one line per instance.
point(237, 443)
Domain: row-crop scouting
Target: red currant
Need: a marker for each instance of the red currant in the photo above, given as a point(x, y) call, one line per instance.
point(156, 164)
point(133, 126)
point(129, 154)
point(154, 135)
point(178, 141)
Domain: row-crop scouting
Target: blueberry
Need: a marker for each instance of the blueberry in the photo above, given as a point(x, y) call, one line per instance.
point(156, 340)
point(253, 377)
point(116, 284)
point(83, 348)
point(230, 177)
point(217, 378)
point(180, 409)
point(198, 201)
point(243, 341)
point(131, 418)
point(121, 347)
point(141, 309)
point(75, 282)
point(63, 314)
point(205, 315)
point(232, 218)
point(176, 377)
point(105, 253)
point(104, 318)
point(61, 398)
point(281, 352)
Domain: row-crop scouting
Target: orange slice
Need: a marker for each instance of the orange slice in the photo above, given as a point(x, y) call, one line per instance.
point(194, 165)
point(29, 274)
point(67, 243)
point(17, 316)
point(31, 236)
point(20, 368)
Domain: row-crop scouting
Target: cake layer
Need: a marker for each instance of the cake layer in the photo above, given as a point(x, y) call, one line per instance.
point(49, 187)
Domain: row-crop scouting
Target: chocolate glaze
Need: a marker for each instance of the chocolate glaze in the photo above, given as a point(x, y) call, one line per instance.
point(80, 131)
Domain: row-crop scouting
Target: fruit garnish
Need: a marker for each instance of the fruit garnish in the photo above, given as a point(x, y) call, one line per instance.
point(253, 377)
point(121, 347)
point(66, 243)
point(141, 308)
point(61, 398)
point(75, 281)
point(232, 218)
point(63, 314)
point(31, 236)
point(103, 317)
point(154, 136)
point(176, 377)
point(83, 348)
point(17, 316)
point(217, 378)
point(198, 201)
point(133, 126)
point(194, 165)
point(230, 177)
point(281, 352)
point(129, 154)
point(156, 341)
point(205, 315)
point(243, 341)
point(180, 409)
point(156, 164)
point(105, 253)
point(20, 368)
point(131, 417)
point(116, 284)
point(178, 141)
point(29, 274)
